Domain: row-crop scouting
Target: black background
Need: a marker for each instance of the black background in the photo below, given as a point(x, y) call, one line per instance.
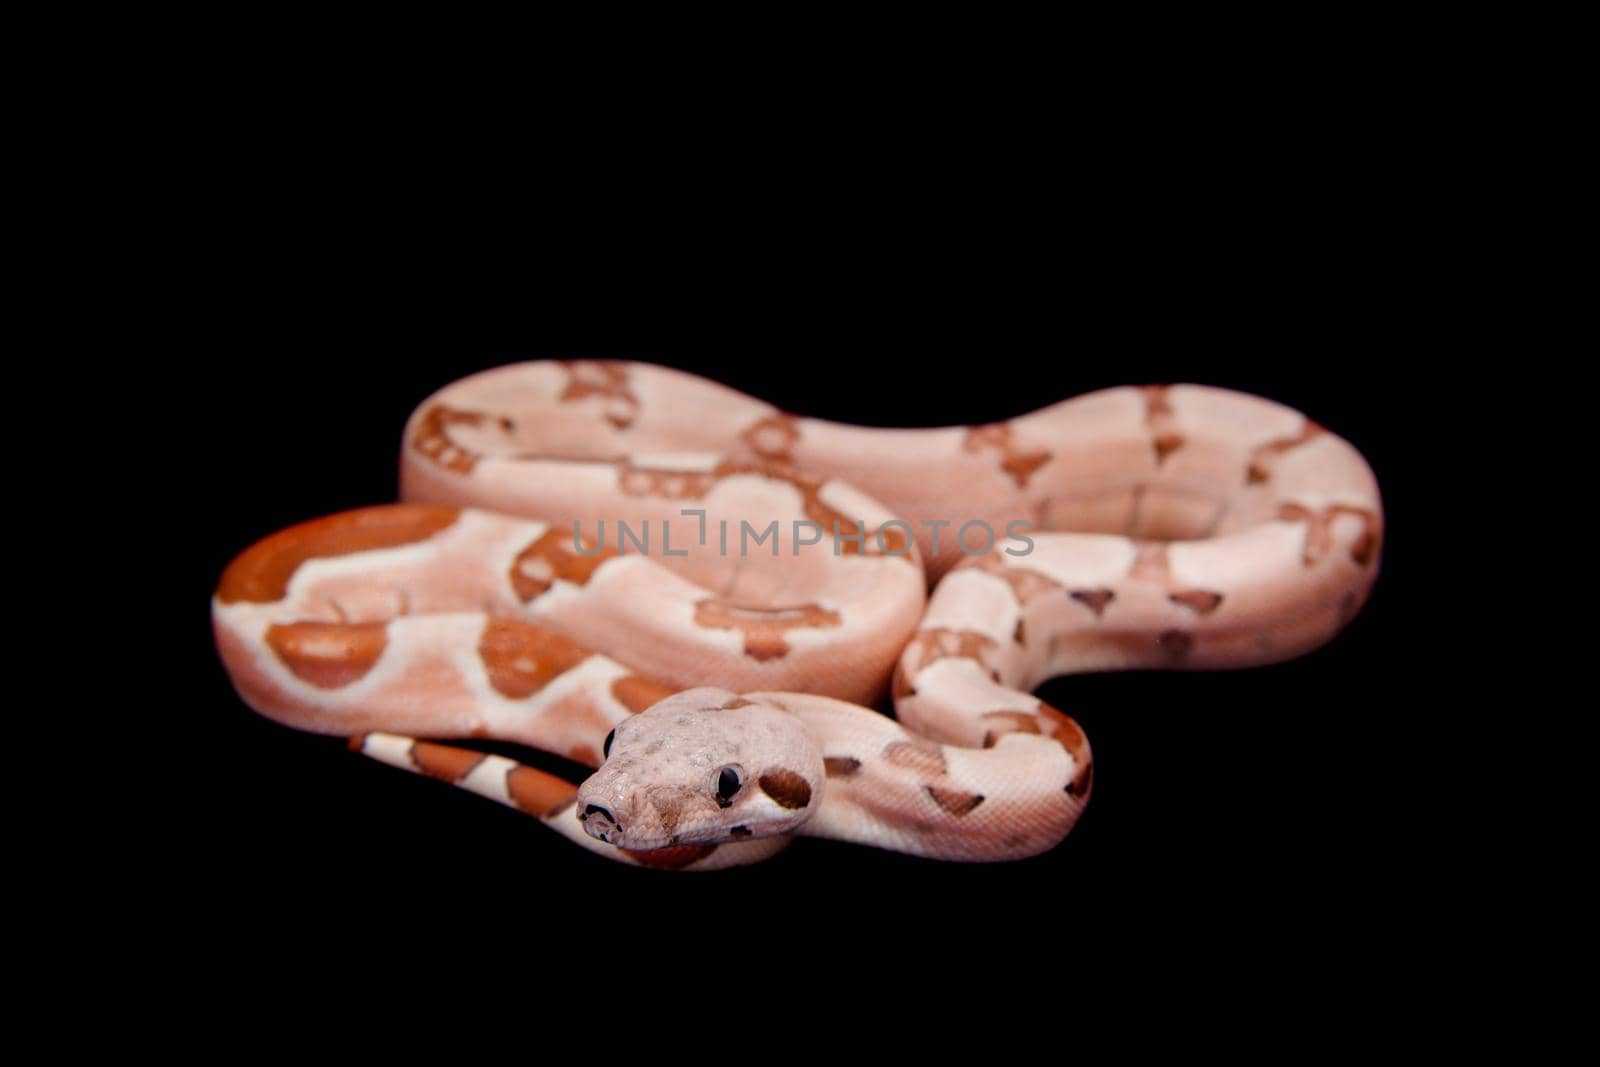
point(1243, 807)
point(300, 294)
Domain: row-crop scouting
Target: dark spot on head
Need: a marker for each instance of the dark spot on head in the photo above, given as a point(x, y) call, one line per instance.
point(668, 804)
point(740, 831)
point(786, 787)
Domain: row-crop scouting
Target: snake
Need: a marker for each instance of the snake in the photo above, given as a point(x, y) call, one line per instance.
point(702, 597)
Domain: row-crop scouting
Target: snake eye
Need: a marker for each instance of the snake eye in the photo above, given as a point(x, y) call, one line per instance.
point(605, 750)
point(728, 783)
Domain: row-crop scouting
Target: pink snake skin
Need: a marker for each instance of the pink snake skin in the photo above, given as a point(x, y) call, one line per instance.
point(722, 691)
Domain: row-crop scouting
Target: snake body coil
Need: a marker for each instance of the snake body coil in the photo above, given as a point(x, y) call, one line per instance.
point(631, 566)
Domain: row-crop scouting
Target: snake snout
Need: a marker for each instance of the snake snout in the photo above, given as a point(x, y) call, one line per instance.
point(599, 822)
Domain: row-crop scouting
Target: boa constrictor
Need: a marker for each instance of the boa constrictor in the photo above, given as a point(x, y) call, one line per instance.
point(1209, 529)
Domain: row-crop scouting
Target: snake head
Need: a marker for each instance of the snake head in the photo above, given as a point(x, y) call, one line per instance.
point(702, 767)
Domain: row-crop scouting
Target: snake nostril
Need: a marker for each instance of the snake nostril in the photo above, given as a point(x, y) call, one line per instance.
point(600, 810)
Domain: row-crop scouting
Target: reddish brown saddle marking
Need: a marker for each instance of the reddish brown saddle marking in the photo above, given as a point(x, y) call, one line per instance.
point(763, 628)
point(261, 574)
